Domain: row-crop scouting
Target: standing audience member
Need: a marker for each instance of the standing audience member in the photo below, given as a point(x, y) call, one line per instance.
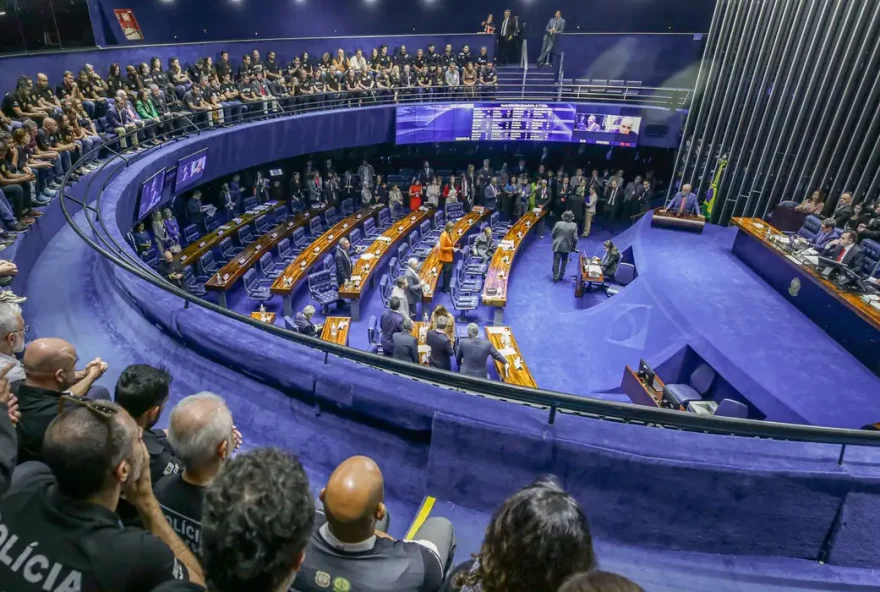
point(202, 433)
point(555, 27)
point(400, 291)
point(564, 242)
point(64, 512)
point(348, 548)
point(536, 540)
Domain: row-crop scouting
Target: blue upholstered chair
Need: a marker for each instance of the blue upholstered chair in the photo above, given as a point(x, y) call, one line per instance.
point(454, 210)
point(463, 301)
point(679, 395)
point(212, 223)
point(398, 212)
point(262, 225)
point(332, 216)
point(810, 227)
point(245, 235)
point(394, 267)
point(385, 220)
point(403, 252)
point(322, 289)
point(289, 324)
point(347, 206)
point(285, 252)
point(206, 267)
point(316, 226)
point(227, 250)
point(268, 266)
point(473, 266)
point(370, 230)
point(281, 214)
point(623, 275)
point(499, 227)
point(355, 237)
point(190, 284)
point(373, 335)
point(250, 203)
point(466, 283)
point(150, 258)
point(731, 408)
point(385, 289)
point(190, 233)
point(871, 249)
point(299, 241)
point(428, 237)
point(256, 288)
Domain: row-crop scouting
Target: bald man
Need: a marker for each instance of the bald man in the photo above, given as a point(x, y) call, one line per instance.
point(350, 553)
point(50, 370)
point(684, 202)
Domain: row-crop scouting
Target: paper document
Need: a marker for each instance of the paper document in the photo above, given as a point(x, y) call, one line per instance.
point(424, 349)
point(507, 351)
point(496, 330)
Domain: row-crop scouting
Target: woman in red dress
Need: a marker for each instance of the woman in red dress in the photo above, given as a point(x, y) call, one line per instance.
point(415, 195)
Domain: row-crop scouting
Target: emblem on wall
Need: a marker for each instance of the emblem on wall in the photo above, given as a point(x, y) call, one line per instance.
point(794, 287)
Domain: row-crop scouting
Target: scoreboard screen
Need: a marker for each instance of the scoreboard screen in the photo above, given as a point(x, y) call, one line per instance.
point(517, 122)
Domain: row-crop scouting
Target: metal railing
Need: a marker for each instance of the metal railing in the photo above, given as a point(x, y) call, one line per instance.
point(553, 402)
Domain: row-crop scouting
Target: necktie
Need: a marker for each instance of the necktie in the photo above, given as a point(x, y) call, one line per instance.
point(504, 28)
point(841, 255)
point(682, 204)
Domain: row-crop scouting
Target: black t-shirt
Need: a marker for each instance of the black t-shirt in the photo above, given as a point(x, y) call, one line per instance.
point(163, 460)
point(193, 98)
point(57, 543)
point(272, 67)
point(228, 87)
point(419, 62)
point(38, 408)
point(432, 58)
point(10, 102)
point(402, 59)
point(385, 61)
point(482, 59)
point(45, 140)
point(45, 93)
point(182, 505)
point(384, 566)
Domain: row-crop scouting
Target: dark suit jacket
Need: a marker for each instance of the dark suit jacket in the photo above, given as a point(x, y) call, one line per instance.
point(389, 324)
point(577, 203)
point(343, 265)
point(406, 347)
point(316, 194)
point(117, 118)
point(425, 177)
point(472, 354)
point(304, 325)
point(853, 259)
point(842, 214)
point(610, 262)
point(441, 350)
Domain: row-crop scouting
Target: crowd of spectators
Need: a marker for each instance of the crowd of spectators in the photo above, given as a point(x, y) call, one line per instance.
point(94, 497)
point(861, 218)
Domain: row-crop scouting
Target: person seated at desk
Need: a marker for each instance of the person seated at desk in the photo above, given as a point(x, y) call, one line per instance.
point(483, 244)
point(303, 322)
point(406, 347)
point(610, 260)
point(813, 204)
point(390, 323)
point(845, 251)
point(473, 351)
point(684, 202)
point(824, 236)
point(441, 346)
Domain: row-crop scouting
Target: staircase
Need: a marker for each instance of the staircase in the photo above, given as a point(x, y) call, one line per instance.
point(539, 83)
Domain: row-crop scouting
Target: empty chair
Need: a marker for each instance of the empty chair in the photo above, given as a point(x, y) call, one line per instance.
point(499, 227)
point(615, 87)
point(394, 267)
point(439, 223)
point(599, 82)
point(727, 408)
point(463, 301)
point(467, 283)
point(256, 288)
point(250, 203)
point(679, 395)
point(355, 237)
point(623, 275)
point(268, 266)
point(245, 235)
point(633, 88)
point(191, 233)
point(328, 263)
point(427, 237)
point(373, 335)
point(262, 225)
point(385, 220)
point(212, 223)
point(403, 252)
point(281, 214)
point(315, 226)
point(347, 207)
point(370, 230)
point(227, 250)
point(190, 283)
point(206, 267)
point(299, 241)
point(385, 289)
point(322, 289)
point(454, 211)
point(332, 216)
point(285, 252)
point(150, 258)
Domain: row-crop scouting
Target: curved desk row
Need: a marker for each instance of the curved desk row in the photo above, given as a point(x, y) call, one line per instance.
point(430, 270)
point(495, 288)
point(519, 374)
point(222, 281)
point(194, 251)
point(298, 269)
point(362, 271)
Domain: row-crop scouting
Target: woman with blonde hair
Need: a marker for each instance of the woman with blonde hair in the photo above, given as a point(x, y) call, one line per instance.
point(441, 311)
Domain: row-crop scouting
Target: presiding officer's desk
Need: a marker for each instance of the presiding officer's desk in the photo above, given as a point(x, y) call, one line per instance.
point(589, 273)
point(370, 258)
point(519, 376)
point(430, 270)
point(194, 251)
point(298, 269)
point(495, 288)
point(664, 218)
point(845, 316)
point(233, 271)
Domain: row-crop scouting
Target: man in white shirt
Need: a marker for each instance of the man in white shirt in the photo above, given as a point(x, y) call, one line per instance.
point(358, 62)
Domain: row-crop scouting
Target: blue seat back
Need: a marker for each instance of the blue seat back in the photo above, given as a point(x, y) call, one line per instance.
point(245, 234)
point(319, 281)
point(701, 379)
point(284, 248)
point(347, 207)
point(250, 203)
point(328, 262)
point(384, 288)
point(731, 408)
point(315, 225)
point(438, 219)
point(250, 279)
point(206, 263)
point(281, 214)
point(425, 228)
point(191, 233)
point(330, 214)
point(262, 224)
point(211, 223)
point(355, 236)
point(226, 248)
point(403, 252)
point(369, 226)
point(299, 237)
point(413, 239)
point(371, 329)
point(625, 273)
point(393, 266)
point(871, 249)
point(385, 215)
point(810, 227)
point(188, 277)
point(454, 211)
point(494, 219)
point(266, 262)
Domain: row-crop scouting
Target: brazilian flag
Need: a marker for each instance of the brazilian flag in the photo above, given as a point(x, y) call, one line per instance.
point(713, 189)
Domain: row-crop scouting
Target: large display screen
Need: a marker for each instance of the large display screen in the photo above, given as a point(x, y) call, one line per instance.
point(190, 169)
point(529, 122)
point(151, 194)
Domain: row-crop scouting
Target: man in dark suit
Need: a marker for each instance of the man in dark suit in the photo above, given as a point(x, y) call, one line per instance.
point(845, 251)
point(119, 120)
point(441, 348)
point(406, 347)
point(316, 190)
point(613, 199)
point(564, 242)
point(507, 32)
point(555, 27)
point(844, 210)
point(331, 190)
point(824, 236)
point(390, 323)
point(490, 194)
point(426, 174)
point(473, 352)
point(195, 211)
point(343, 261)
point(414, 287)
point(303, 322)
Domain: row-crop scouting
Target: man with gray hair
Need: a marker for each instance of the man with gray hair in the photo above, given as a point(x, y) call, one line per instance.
point(12, 332)
point(564, 242)
point(204, 437)
point(473, 352)
point(406, 347)
point(303, 322)
point(415, 287)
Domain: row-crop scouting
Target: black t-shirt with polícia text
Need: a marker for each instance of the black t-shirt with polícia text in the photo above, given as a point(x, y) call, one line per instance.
point(182, 505)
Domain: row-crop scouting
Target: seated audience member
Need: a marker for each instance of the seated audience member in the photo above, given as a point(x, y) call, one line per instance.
point(610, 260)
point(441, 346)
point(202, 433)
point(49, 141)
point(390, 323)
point(844, 250)
point(483, 244)
point(824, 236)
point(813, 204)
point(473, 351)
point(859, 216)
point(9, 417)
point(599, 581)
point(844, 210)
point(50, 371)
point(684, 202)
point(171, 270)
point(64, 512)
point(261, 497)
point(142, 391)
point(400, 290)
point(303, 322)
point(535, 541)
point(119, 120)
point(16, 186)
point(348, 548)
point(13, 331)
point(442, 312)
point(406, 347)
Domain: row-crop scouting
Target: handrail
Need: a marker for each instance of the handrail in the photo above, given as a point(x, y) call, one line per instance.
point(552, 401)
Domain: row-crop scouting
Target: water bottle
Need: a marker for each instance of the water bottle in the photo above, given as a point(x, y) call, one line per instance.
point(425, 318)
point(333, 330)
point(262, 309)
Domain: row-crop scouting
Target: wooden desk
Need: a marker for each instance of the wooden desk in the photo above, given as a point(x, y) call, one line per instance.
point(495, 288)
point(341, 337)
point(194, 251)
point(641, 393)
point(266, 317)
point(430, 270)
point(585, 278)
point(847, 318)
point(233, 271)
point(371, 257)
point(298, 269)
point(664, 218)
point(519, 377)
point(416, 332)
